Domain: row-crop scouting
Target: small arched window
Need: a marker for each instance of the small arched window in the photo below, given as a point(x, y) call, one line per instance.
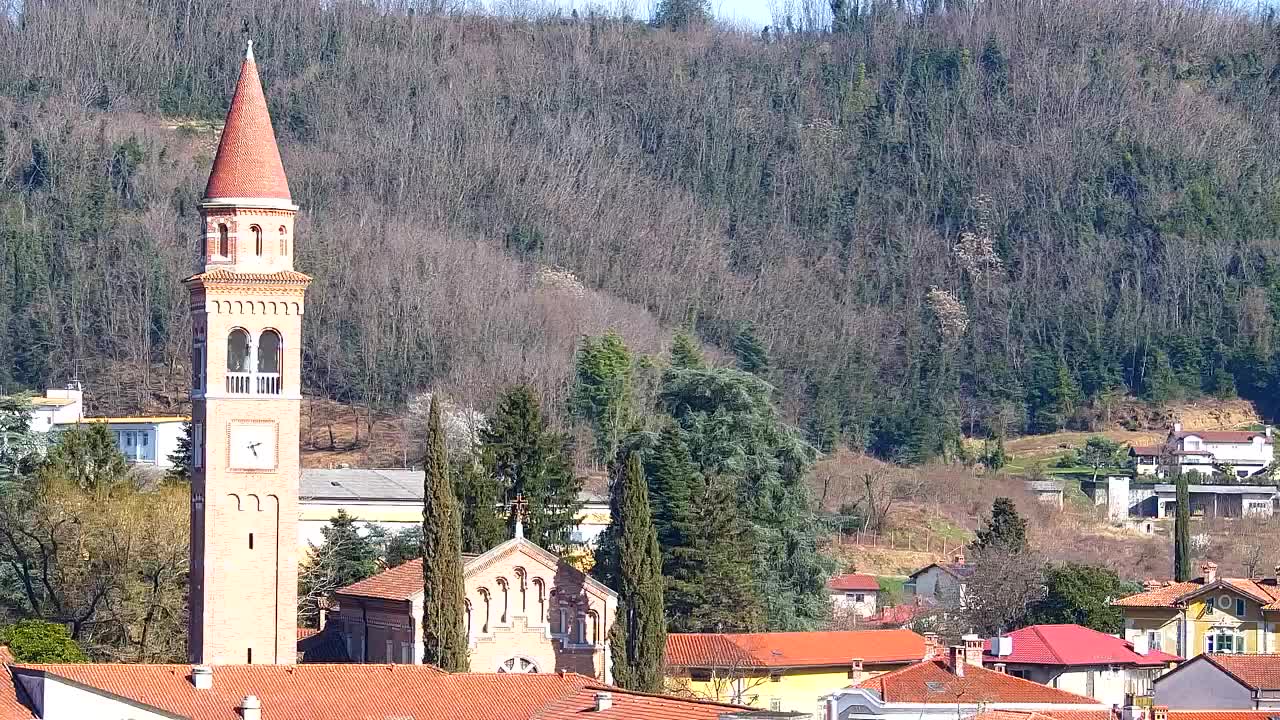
point(224, 241)
point(284, 241)
point(269, 352)
point(238, 351)
point(257, 240)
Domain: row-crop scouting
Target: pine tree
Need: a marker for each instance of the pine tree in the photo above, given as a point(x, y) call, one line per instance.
point(479, 496)
point(639, 645)
point(684, 351)
point(529, 459)
point(681, 14)
point(444, 639)
point(722, 584)
point(180, 460)
point(1182, 531)
point(603, 393)
point(1005, 530)
point(750, 352)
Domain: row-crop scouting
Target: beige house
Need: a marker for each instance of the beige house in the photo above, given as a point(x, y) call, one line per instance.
point(527, 611)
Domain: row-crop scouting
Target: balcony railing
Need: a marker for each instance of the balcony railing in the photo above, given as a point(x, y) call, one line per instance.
point(250, 383)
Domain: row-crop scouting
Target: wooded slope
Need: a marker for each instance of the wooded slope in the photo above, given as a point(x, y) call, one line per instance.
point(986, 219)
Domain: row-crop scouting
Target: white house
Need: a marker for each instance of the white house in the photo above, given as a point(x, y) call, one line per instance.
point(145, 440)
point(854, 592)
point(941, 584)
point(1243, 453)
point(57, 407)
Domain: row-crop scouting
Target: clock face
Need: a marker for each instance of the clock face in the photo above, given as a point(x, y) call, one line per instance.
point(252, 446)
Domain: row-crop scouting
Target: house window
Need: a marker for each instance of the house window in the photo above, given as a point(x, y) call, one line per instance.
point(144, 437)
point(1224, 640)
point(390, 658)
point(1240, 609)
point(859, 598)
point(224, 242)
point(1153, 639)
point(257, 240)
point(775, 704)
point(700, 675)
point(406, 653)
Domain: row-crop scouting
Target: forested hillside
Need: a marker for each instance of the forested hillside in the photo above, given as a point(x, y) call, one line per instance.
point(982, 218)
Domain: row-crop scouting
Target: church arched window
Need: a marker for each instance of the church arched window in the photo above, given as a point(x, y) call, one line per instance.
point(466, 605)
point(523, 578)
point(593, 619)
point(506, 599)
point(257, 239)
point(484, 595)
point(224, 241)
point(541, 587)
point(284, 241)
point(269, 362)
point(238, 351)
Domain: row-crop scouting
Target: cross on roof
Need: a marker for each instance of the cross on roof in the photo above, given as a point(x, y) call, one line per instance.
point(519, 507)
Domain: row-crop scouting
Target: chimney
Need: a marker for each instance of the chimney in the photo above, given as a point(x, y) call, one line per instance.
point(1159, 712)
point(998, 667)
point(958, 558)
point(972, 649)
point(604, 701)
point(251, 708)
point(855, 671)
point(202, 677)
point(1210, 572)
point(1141, 644)
point(1001, 646)
point(930, 646)
point(957, 660)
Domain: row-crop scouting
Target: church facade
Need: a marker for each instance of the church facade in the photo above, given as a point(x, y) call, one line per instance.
point(527, 611)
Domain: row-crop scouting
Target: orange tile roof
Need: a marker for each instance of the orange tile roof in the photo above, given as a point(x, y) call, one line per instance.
point(1170, 594)
point(1106, 715)
point(854, 581)
point(401, 582)
point(1259, 672)
point(793, 649)
point(364, 692)
point(6, 656)
point(304, 633)
point(248, 162)
point(11, 706)
point(934, 682)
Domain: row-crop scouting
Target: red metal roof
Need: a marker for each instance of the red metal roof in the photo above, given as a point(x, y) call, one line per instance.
point(248, 162)
point(854, 581)
point(934, 682)
point(1074, 645)
point(362, 692)
point(793, 649)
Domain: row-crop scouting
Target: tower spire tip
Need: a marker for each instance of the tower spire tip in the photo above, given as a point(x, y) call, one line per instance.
point(248, 53)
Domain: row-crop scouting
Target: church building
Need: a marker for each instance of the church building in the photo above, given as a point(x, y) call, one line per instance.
point(527, 611)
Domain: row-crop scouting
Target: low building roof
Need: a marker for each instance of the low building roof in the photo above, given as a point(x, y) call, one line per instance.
point(137, 419)
point(401, 582)
point(365, 484)
point(1069, 645)
point(959, 570)
point(362, 692)
point(854, 581)
point(1225, 436)
point(1255, 671)
point(52, 402)
point(792, 649)
point(1171, 594)
point(933, 681)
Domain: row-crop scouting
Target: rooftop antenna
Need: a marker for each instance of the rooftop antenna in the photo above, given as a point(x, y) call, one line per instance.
point(75, 383)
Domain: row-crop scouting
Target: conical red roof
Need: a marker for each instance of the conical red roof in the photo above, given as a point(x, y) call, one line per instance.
point(248, 162)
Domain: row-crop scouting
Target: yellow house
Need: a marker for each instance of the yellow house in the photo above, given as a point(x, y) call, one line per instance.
point(1206, 615)
point(784, 671)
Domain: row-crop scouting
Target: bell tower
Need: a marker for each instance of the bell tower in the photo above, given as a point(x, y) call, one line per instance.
point(246, 321)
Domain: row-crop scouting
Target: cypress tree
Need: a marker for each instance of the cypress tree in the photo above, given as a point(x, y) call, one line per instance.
point(443, 636)
point(638, 646)
point(1182, 531)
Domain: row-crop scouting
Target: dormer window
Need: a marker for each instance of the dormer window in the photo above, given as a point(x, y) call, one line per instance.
point(224, 241)
point(257, 240)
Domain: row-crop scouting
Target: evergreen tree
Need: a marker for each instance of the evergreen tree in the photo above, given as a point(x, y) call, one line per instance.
point(86, 455)
point(403, 546)
point(639, 645)
point(729, 423)
point(444, 639)
point(345, 555)
point(1081, 595)
point(720, 591)
point(180, 459)
point(603, 393)
point(479, 500)
point(750, 352)
point(673, 478)
point(20, 447)
point(1004, 530)
point(681, 14)
point(529, 459)
point(684, 351)
point(1182, 531)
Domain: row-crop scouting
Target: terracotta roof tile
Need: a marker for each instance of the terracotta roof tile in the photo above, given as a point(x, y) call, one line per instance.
point(248, 162)
point(854, 581)
point(793, 649)
point(1225, 436)
point(401, 582)
point(363, 692)
point(934, 682)
point(304, 633)
point(274, 278)
point(11, 706)
point(1164, 595)
point(1169, 594)
point(1259, 672)
point(1106, 715)
point(1074, 645)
